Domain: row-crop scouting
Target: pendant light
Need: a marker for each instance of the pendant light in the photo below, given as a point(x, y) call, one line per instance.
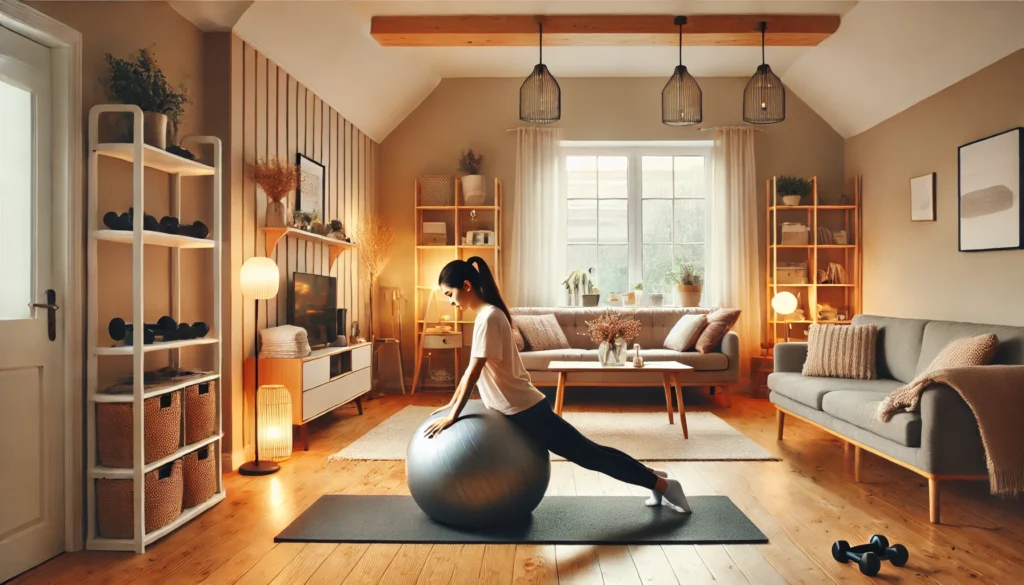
point(540, 97)
point(681, 99)
point(764, 99)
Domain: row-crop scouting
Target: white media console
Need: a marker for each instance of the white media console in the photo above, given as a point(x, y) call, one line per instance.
point(320, 382)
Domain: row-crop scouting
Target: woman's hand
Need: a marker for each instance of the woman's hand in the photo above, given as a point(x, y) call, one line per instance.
point(449, 405)
point(435, 428)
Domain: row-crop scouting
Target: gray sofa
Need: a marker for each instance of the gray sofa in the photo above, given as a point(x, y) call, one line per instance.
point(940, 442)
point(715, 369)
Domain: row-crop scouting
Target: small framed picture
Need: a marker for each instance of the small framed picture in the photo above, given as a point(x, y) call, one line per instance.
point(922, 198)
point(312, 189)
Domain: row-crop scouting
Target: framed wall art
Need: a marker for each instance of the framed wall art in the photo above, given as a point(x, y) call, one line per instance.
point(990, 215)
point(922, 198)
point(312, 188)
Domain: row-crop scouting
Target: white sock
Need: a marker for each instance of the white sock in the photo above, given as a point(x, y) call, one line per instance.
point(676, 498)
point(655, 499)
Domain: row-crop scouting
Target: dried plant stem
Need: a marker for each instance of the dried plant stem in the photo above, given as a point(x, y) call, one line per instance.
point(375, 235)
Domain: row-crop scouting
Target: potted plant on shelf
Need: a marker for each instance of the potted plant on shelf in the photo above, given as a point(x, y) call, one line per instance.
point(792, 189)
point(139, 81)
point(613, 331)
point(472, 181)
point(689, 285)
point(277, 177)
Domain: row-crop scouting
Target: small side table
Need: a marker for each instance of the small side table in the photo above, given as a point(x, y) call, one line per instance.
point(760, 367)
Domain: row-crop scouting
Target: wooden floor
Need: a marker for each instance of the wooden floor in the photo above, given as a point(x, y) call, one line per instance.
point(803, 504)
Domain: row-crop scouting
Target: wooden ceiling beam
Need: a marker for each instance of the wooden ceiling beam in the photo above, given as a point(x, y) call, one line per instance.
point(729, 30)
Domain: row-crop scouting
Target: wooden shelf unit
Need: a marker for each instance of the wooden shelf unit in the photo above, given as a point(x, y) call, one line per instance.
point(430, 259)
point(141, 157)
point(844, 297)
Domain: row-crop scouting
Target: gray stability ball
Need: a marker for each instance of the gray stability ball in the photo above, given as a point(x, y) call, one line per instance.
point(481, 471)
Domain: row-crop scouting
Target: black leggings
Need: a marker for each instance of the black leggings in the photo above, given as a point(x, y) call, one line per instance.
point(553, 433)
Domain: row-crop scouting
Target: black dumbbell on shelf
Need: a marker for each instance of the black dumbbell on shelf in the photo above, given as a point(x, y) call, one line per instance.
point(869, 556)
point(166, 329)
point(167, 225)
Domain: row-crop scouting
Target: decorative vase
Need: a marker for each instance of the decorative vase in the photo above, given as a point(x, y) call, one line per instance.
point(688, 295)
point(473, 189)
point(277, 213)
point(656, 299)
point(612, 354)
point(154, 129)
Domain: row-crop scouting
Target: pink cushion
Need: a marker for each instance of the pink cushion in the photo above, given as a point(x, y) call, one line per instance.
point(720, 322)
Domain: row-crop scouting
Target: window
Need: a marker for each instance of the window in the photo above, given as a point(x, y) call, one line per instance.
point(634, 213)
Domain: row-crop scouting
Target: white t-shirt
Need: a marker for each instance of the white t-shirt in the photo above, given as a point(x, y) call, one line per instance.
point(504, 383)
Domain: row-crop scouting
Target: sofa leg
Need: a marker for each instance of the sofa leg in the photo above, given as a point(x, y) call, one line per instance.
point(933, 500)
point(856, 463)
point(780, 423)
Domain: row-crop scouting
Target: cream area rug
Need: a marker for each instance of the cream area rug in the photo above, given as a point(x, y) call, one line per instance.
point(646, 436)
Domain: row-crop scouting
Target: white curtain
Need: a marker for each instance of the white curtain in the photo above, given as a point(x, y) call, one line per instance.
point(732, 274)
point(536, 256)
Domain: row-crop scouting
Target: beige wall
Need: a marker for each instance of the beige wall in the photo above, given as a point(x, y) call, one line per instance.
point(475, 112)
point(913, 269)
point(122, 28)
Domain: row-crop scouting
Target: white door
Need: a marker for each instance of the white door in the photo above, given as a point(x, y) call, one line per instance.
point(31, 372)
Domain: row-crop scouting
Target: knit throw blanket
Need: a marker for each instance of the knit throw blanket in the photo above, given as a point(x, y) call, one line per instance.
point(996, 397)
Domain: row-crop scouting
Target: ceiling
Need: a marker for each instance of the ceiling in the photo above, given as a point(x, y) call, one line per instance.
point(885, 57)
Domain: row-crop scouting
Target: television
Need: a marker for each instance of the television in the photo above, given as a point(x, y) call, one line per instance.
point(313, 306)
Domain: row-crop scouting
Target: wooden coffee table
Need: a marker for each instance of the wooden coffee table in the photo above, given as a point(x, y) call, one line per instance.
point(671, 374)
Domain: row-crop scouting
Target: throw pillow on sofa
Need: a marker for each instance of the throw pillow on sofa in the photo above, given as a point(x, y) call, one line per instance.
point(842, 351)
point(720, 321)
point(517, 336)
point(541, 332)
point(685, 332)
point(966, 352)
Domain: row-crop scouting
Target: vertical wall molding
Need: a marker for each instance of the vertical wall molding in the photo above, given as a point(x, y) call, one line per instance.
point(276, 116)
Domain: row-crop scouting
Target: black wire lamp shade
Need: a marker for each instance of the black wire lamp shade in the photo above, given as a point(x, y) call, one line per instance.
point(764, 98)
point(540, 97)
point(681, 99)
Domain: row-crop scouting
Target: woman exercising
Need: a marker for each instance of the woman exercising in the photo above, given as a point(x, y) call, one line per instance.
point(497, 370)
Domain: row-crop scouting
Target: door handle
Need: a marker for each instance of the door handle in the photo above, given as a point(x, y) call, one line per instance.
point(51, 312)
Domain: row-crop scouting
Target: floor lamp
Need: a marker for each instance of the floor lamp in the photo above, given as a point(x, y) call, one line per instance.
point(259, 280)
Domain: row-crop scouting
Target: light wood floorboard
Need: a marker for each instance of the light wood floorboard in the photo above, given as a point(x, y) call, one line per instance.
point(802, 503)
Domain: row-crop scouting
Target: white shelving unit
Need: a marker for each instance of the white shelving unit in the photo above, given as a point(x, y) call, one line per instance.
point(143, 156)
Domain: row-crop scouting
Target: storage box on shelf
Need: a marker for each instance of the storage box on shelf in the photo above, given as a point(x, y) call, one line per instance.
point(147, 443)
point(445, 233)
point(808, 248)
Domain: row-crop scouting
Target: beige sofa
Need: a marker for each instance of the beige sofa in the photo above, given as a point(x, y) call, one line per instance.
point(719, 369)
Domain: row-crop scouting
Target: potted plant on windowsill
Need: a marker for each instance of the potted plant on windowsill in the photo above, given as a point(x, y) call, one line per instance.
point(689, 285)
point(792, 189)
point(139, 81)
point(472, 181)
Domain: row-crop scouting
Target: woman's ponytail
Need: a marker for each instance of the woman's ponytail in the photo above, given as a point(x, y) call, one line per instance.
point(489, 287)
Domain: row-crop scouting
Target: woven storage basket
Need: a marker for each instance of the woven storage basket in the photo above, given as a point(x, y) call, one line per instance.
point(200, 411)
point(162, 433)
point(115, 502)
point(200, 472)
point(437, 190)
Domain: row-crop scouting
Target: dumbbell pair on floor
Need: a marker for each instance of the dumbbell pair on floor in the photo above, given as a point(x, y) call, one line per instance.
point(167, 225)
point(166, 329)
point(869, 556)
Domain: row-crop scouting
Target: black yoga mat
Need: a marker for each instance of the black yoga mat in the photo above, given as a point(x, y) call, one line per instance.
point(557, 520)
